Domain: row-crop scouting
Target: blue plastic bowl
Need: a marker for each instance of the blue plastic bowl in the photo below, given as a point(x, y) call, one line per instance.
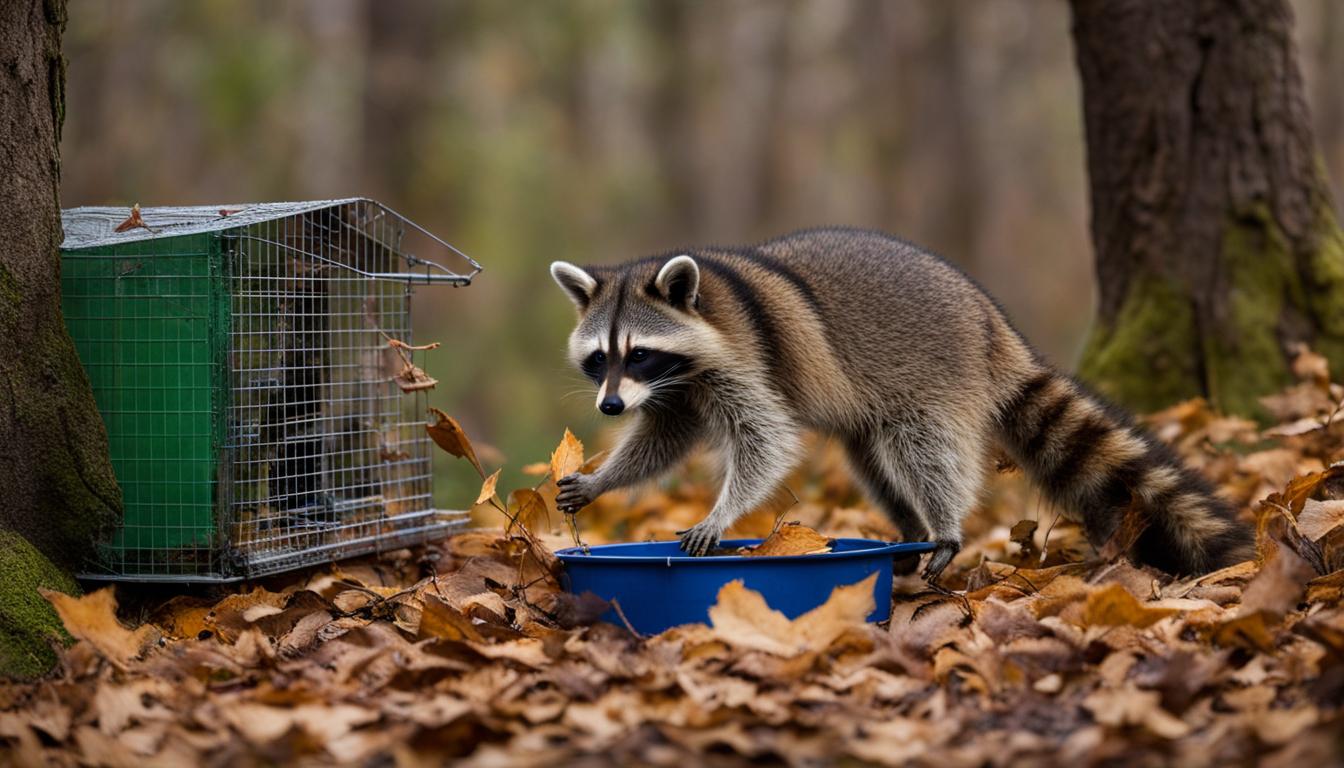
point(658, 586)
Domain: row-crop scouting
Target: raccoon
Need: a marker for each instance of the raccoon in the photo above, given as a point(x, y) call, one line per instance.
point(898, 355)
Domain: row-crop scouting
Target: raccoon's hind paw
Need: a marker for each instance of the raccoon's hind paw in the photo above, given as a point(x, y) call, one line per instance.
point(943, 553)
point(576, 491)
point(700, 539)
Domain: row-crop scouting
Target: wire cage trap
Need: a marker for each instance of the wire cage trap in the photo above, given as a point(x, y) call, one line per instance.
point(253, 367)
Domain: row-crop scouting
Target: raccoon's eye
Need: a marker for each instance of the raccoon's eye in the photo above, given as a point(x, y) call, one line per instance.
point(593, 365)
point(638, 355)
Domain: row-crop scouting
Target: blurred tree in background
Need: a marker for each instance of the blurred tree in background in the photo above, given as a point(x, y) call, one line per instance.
point(1218, 248)
point(596, 130)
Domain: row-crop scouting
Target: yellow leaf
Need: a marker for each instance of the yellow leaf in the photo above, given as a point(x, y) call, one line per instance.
point(449, 436)
point(742, 618)
point(488, 487)
point(535, 468)
point(791, 540)
point(441, 620)
point(567, 457)
point(93, 619)
point(1113, 606)
point(527, 508)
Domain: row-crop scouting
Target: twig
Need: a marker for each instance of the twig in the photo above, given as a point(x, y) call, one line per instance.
point(964, 602)
point(574, 531)
point(616, 606)
point(1334, 413)
point(779, 519)
point(1045, 542)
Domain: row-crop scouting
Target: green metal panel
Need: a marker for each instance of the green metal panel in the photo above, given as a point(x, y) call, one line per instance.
point(150, 321)
point(240, 361)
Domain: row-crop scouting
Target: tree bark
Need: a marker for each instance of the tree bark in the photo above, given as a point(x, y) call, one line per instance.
point(59, 490)
point(1217, 247)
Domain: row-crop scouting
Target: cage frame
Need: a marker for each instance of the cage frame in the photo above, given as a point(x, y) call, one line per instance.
point(212, 246)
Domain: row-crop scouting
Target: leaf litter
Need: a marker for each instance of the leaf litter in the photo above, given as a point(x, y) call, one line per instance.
point(1046, 650)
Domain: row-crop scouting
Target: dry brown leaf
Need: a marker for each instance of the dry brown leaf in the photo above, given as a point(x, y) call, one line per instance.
point(1279, 585)
point(448, 435)
point(742, 618)
point(1113, 605)
point(791, 539)
point(1023, 534)
point(133, 221)
point(1131, 706)
point(441, 620)
point(93, 619)
point(1318, 518)
point(411, 378)
point(1310, 366)
point(567, 457)
point(488, 487)
point(528, 508)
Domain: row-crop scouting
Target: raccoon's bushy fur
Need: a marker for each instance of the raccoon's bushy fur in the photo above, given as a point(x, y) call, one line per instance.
point(891, 350)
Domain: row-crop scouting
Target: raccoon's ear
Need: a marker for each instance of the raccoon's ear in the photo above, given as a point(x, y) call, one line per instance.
point(577, 283)
point(679, 282)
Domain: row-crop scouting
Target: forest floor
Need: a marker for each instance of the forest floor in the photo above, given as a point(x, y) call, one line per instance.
point(1046, 652)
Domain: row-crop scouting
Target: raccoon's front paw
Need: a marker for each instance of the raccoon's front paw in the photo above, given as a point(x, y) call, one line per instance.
point(700, 539)
point(576, 492)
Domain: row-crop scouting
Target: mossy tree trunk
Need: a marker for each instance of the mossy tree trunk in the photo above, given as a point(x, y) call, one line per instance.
point(58, 489)
point(1217, 247)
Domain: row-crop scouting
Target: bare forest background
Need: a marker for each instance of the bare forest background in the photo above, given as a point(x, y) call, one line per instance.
point(598, 130)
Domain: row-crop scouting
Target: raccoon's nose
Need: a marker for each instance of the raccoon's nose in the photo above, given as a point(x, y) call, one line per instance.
point(612, 405)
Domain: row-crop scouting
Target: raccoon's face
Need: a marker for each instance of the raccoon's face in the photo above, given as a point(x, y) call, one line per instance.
point(638, 332)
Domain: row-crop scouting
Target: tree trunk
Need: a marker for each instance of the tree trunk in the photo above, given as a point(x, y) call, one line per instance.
point(59, 490)
point(1217, 248)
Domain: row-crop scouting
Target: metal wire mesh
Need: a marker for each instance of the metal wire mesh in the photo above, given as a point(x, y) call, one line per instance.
point(248, 387)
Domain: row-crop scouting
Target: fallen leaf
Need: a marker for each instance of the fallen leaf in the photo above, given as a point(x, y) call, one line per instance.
point(92, 618)
point(441, 620)
point(1318, 518)
point(133, 221)
point(742, 618)
point(1113, 605)
point(1023, 533)
point(1130, 706)
point(791, 539)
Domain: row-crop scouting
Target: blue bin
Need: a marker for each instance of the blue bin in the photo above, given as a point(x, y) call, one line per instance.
point(658, 586)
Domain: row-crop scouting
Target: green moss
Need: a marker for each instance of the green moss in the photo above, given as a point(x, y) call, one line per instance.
point(77, 501)
point(1145, 359)
point(1243, 357)
point(1325, 283)
point(1155, 354)
point(27, 622)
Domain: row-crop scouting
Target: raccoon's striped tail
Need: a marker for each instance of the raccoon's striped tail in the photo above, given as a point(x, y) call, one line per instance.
point(1091, 460)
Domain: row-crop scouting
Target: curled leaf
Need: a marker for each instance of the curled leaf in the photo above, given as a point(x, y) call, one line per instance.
point(134, 221)
point(527, 508)
point(448, 435)
point(488, 487)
